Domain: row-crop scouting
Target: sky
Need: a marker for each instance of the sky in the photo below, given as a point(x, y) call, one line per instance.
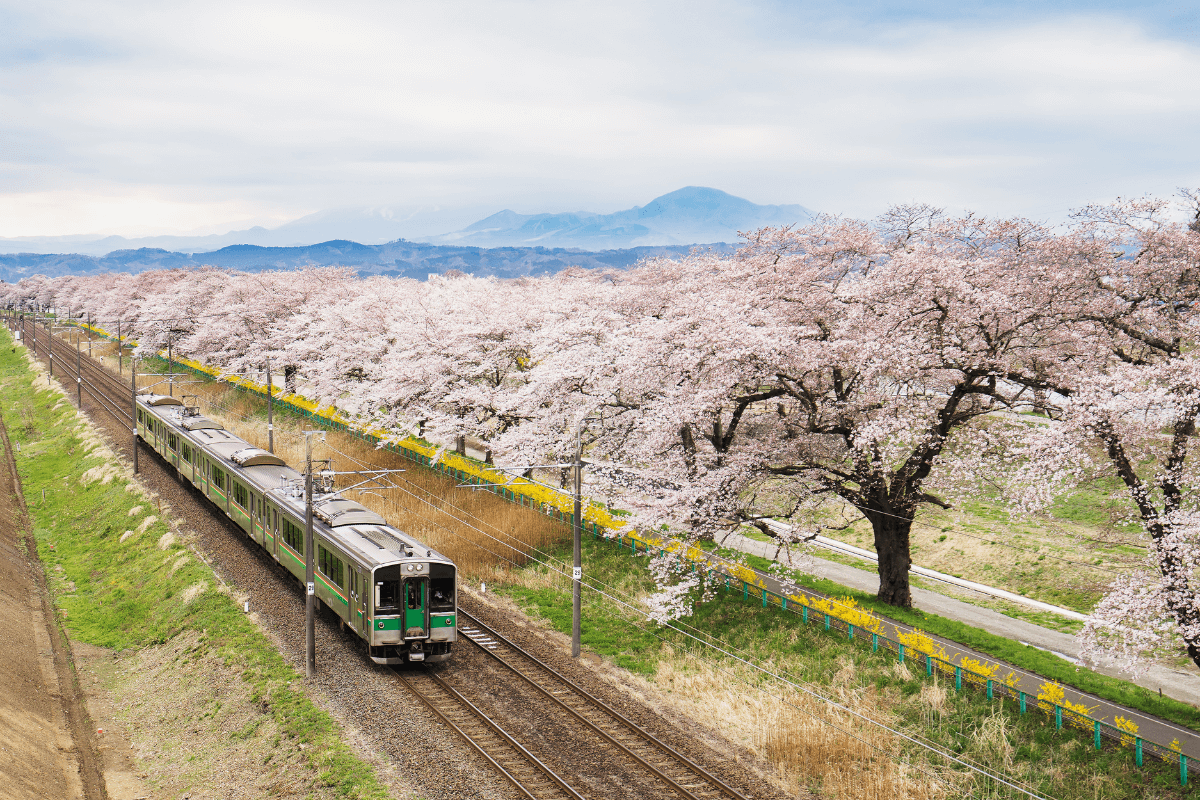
point(141, 118)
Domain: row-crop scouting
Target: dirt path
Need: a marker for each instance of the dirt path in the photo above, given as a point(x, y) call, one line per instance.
point(46, 747)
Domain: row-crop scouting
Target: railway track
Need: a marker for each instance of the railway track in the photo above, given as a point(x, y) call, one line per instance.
point(678, 775)
point(530, 776)
point(525, 771)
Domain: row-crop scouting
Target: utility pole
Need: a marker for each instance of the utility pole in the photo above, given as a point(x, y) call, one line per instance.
point(133, 409)
point(50, 345)
point(118, 347)
point(89, 334)
point(78, 371)
point(310, 589)
point(170, 369)
point(577, 572)
point(270, 411)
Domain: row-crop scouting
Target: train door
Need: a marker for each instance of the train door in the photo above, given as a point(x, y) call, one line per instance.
point(415, 595)
point(358, 605)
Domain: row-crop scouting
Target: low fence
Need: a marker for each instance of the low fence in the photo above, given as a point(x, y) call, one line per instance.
point(845, 617)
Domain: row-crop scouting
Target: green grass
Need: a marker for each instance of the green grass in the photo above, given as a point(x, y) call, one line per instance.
point(1060, 764)
point(1026, 657)
point(127, 595)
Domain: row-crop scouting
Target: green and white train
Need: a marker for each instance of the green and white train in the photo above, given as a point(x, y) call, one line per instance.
point(393, 591)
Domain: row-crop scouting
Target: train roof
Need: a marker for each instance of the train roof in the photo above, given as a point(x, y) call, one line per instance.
point(351, 524)
point(159, 400)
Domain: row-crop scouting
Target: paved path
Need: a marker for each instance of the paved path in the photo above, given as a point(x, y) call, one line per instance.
point(1172, 682)
point(1180, 685)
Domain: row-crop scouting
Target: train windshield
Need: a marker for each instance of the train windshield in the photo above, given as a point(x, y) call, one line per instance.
point(441, 587)
point(387, 590)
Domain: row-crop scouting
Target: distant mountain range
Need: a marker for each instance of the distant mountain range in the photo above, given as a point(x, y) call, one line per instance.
point(690, 215)
point(395, 259)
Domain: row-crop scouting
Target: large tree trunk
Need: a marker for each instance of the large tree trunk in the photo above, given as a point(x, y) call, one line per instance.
point(892, 546)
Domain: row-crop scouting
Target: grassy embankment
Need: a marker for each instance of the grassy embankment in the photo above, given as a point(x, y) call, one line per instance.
point(797, 733)
point(125, 581)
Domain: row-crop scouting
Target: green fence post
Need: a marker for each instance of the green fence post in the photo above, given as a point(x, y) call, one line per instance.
point(745, 591)
point(1058, 717)
point(850, 630)
point(901, 659)
point(806, 615)
point(958, 681)
point(764, 598)
point(990, 695)
point(1022, 702)
point(874, 642)
point(785, 604)
point(929, 665)
point(1137, 751)
point(1182, 770)
point(1097, 734)
point(826, 622)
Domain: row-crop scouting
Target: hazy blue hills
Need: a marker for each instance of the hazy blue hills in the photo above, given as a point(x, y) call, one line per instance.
point(394, 259)
point(691, 214)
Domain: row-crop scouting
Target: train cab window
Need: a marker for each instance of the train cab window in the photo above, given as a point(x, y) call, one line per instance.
point(387, 597)
point(441, 587)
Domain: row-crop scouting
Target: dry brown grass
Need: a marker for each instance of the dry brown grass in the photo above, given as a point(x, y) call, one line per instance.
point(483, 534)
point(812, 746)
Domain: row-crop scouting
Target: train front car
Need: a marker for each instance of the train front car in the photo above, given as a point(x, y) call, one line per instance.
point(415, 607)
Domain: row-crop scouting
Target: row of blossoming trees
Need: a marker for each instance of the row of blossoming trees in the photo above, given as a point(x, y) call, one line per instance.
point(842, 367)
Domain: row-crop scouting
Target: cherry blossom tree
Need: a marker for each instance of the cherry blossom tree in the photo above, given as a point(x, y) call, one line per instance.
point(1132, 395)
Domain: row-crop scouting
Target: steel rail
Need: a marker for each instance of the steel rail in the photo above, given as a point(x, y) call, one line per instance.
point(605, 709)
point(491, 725)
point(97, 393)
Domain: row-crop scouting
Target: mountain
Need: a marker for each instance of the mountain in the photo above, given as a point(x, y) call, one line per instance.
point(395, 259)
point(691, 214)
point(370, 225)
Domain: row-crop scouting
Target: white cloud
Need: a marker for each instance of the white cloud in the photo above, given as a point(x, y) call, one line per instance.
point(273, 110)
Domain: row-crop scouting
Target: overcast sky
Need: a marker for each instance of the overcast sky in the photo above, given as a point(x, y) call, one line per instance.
point(141, 118)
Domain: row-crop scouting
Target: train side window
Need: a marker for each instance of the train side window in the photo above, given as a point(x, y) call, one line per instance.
point(141, 417)
point(240, 495)
point(172, 441)
point(218, 477)
point(331, 566)
point(293, 535)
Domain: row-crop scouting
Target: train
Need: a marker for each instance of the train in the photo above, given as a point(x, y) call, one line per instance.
point(399, 596)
